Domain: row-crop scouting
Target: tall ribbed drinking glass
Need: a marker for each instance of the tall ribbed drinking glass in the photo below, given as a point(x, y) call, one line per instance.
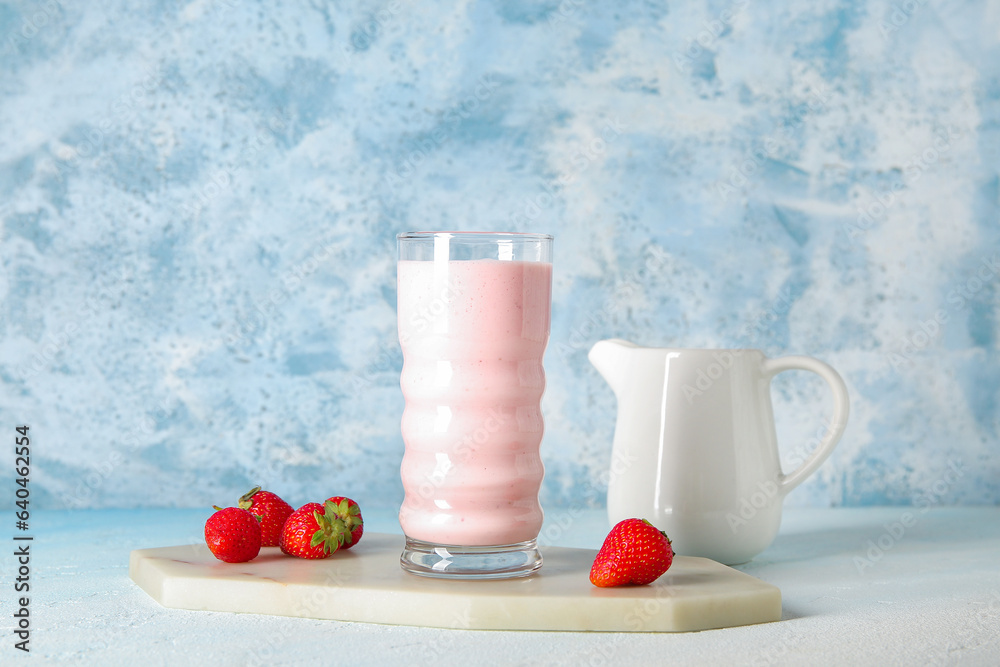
point(474, 311)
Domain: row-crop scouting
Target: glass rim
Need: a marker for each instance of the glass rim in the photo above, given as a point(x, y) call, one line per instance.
point(459, 235)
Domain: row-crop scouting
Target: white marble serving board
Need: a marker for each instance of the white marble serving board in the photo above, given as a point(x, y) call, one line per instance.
point(366, 584)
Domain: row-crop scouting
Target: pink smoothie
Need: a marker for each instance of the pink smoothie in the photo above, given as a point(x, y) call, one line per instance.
point(473, 334)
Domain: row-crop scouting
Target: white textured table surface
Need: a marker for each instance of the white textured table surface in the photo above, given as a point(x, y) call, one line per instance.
point(857, 589)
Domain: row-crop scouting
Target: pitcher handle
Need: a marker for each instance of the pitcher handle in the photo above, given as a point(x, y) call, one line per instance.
point(841, 410)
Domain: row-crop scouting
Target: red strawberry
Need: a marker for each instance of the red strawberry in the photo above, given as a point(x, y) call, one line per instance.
point(233, 535)
point(348, 511)
point(272, 512)
point(634, 552)
point(312, 531)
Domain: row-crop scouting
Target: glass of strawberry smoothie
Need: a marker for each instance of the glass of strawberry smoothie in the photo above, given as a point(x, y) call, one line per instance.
point(473, 310)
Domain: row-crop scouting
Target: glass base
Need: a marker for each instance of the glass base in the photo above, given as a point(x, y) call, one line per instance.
point(448, 561)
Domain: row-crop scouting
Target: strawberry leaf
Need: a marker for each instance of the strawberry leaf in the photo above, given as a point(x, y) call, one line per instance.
point(317, 538)
point(246, 500)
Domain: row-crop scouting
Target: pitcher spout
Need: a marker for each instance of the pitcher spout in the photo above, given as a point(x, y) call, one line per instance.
point(609, 358)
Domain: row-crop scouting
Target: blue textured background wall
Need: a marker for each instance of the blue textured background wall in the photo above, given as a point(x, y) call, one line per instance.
point(199, 204)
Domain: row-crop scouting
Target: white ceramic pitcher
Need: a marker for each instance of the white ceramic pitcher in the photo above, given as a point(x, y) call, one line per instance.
point(695, 449)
